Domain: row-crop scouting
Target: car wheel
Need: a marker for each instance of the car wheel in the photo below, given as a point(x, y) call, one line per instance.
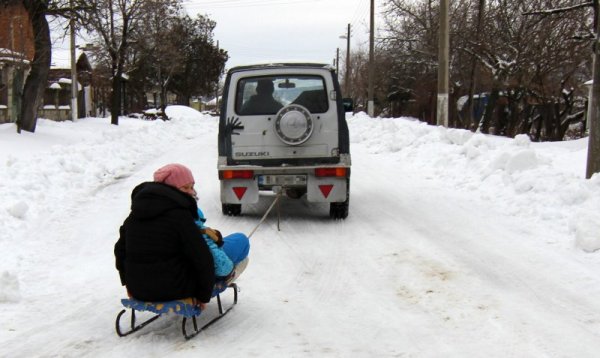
point(232, 209)
point(340, 210)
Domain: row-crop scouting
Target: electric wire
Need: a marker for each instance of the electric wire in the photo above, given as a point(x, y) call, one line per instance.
point(360, 16)
point(362, 11)
point(209, 4)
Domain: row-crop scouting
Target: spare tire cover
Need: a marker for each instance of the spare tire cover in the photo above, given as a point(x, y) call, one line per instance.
point(294, 124)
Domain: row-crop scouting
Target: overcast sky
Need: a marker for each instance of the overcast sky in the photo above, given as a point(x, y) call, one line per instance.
point(259, 31)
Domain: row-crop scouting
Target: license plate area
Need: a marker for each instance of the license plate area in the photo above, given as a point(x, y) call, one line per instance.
point(283, 180)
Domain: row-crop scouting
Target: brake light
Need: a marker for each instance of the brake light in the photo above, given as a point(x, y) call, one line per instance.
point(236, 174)
point(331, 172)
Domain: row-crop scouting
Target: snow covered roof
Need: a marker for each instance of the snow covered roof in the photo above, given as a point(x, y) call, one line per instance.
point(460, 103)
point(64, 81)
point(213, 102)
point(7, 55)
point(68, 81)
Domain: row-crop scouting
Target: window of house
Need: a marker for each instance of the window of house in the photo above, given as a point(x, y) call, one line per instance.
point(3, 88)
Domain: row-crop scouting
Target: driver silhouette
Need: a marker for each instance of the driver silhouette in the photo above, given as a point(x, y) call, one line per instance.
point(262, 102)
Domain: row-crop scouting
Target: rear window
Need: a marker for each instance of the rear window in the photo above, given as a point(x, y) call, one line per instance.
point(268, 94)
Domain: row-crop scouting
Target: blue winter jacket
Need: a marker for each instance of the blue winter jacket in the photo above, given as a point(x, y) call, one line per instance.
point(223, 264)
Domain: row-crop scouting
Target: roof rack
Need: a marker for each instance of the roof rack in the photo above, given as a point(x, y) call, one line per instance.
point(281, 65)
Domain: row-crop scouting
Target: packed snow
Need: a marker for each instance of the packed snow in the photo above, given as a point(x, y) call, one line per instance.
point(457, 244)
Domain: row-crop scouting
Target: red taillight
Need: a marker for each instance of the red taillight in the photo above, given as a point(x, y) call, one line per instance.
point(236, 174)
point(331, 172)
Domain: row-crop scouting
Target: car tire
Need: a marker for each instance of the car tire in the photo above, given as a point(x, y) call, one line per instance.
point(232, 209)
point(340, 210)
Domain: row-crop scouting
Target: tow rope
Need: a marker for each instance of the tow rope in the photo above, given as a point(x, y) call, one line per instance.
point(277, 197)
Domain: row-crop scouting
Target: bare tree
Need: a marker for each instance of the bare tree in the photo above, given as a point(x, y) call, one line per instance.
point(114, 21)
point(473, 72)
point(593, 157)
point(410, 38)
point(183, 55)
point(523, 65)
point(35, 84)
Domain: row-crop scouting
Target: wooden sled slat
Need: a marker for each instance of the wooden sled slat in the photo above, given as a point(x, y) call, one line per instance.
point(184, 308)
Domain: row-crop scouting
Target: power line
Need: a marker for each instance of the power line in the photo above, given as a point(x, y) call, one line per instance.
point(212, 4)
point(358, 19)
point(360, 13)
point(225, 2)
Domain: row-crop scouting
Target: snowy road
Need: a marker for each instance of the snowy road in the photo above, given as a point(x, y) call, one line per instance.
point(419, 269)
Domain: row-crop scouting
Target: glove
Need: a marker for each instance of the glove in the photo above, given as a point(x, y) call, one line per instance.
point(214, 235)
point(196, 302)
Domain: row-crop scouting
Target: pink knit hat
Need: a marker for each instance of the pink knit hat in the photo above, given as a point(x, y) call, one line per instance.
point(175, 175)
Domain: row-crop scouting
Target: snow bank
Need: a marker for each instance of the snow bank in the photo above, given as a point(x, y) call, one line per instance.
point(183, 112)
point(91, 150)
point(535, 181)
point(444, 283)
point(43, 171)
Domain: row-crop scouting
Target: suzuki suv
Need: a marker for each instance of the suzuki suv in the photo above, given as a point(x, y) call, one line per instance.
point(282, 128)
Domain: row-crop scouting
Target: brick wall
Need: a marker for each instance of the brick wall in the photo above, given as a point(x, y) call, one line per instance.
point(16, 33)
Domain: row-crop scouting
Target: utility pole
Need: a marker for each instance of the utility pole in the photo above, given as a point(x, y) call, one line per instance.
point(74, 83)
point(593, 158)
point(443, 54)
point(217, 111)
point(371, 95)
point(337, 61)
point(347, 76)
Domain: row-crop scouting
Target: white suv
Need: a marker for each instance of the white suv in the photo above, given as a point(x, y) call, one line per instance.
point(283, 127)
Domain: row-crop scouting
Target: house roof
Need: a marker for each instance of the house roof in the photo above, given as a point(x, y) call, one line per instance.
point(10, 56)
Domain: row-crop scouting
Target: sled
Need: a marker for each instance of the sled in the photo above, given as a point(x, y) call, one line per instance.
point(183, 307)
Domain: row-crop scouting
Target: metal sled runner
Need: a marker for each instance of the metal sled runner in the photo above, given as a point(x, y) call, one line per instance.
point(184, 307)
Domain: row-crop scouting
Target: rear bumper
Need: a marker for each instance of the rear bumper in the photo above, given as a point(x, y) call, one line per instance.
point(318, 189)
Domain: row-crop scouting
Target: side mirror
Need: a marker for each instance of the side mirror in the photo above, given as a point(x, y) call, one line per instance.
point(348, 104)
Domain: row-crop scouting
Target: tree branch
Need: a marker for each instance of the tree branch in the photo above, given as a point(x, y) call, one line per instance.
point(559, 10)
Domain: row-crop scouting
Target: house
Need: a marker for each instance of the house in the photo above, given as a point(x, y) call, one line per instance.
point(57, 96)
point(16, 53)
point(13, 69)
